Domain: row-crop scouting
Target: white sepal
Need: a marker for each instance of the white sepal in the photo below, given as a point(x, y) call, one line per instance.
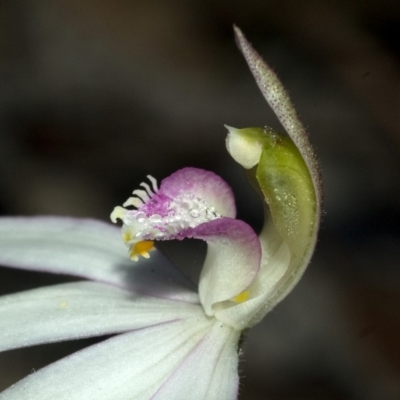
point(143, 365)
point(82, 309)
point(209, 371)
point(89, 249)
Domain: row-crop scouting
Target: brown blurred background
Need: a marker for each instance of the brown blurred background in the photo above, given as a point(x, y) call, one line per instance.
point(95, 95)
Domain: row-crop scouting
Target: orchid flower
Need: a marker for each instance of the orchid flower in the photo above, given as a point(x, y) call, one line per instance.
point(170, 340)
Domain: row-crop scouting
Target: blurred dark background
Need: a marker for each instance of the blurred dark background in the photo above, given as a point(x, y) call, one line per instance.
point(95, 95)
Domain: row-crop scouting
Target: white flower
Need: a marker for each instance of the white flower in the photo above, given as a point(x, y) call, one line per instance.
point(170, 342)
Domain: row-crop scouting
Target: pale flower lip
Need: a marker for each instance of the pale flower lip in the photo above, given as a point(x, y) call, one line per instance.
point(194, 203)
point(171, 343)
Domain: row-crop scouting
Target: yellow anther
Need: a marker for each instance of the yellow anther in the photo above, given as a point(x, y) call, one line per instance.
point(141, 248)
point(241, 297)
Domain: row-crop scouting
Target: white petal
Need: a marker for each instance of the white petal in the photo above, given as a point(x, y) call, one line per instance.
point(209, 372)
point(82, 309)
point(225, 380)
point(135, 365)
point(90, 249)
